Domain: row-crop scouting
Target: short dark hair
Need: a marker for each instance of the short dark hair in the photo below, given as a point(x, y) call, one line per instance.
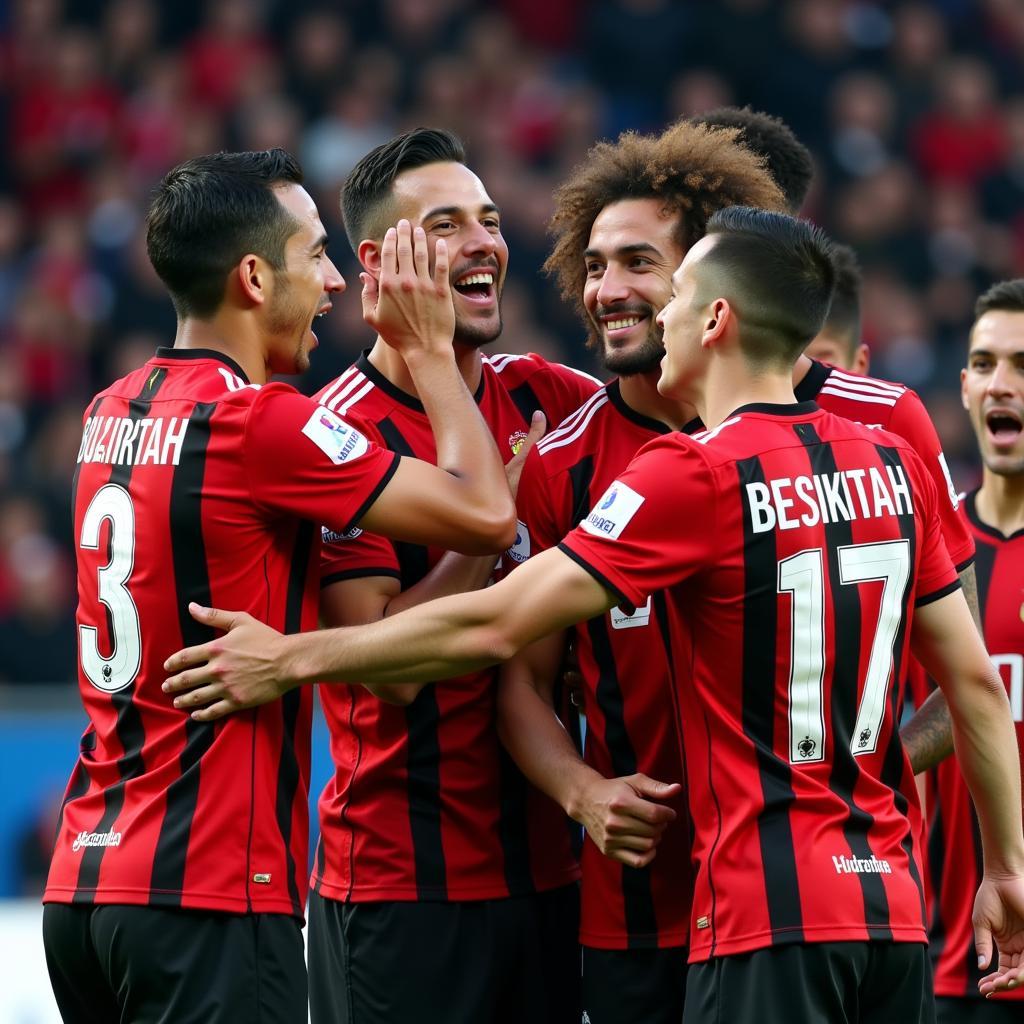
point(210, 211)
point(691, 169)
point(365, 196)
point(788, 159)
point(777, 272)
point(1004, 296)
point(843, 318)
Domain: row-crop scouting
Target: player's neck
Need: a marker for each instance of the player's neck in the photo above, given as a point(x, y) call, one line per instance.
point(730, 384)
point(1000, 502)
point(801, 369)
point(390, 363)
point(640, 392)
point(230, 340)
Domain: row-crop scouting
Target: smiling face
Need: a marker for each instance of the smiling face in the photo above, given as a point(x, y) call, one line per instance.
point(449, 201)
point(683, 320)
point(992, 388)
point(302, 290)
point(630, 259)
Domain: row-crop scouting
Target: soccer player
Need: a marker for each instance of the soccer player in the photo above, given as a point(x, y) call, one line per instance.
point(177, 886)
point(622, 223)
point(839, 342)
point(787, 159)
point(993, 395)
point(802, 553)
point(437, 862)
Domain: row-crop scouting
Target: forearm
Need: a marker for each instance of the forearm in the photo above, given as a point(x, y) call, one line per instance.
point(540, 746)
point(444, 638)
point(453, 574)
point(986, 747)
point(465, 446)
point(928, 736)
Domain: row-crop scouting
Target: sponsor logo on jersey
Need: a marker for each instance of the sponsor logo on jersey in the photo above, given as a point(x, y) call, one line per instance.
point(334, 437)
point(515, 441)
point(626, 620)
point(520, 550)
point(84, 839)
point(613, 511)
point(861, 866)
point(329, 536)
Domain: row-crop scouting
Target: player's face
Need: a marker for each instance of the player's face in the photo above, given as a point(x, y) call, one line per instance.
point(302, 290)
point(449, 201)
point(992, 387)
point(682, 321)
point(630, 258)
point(832, 349)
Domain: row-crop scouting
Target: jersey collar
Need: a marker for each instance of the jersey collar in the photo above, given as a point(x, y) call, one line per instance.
point(368, 370)
point(773, 409)
point(814, 380)
point(971, 511)
point(195, 354)
point(615, 397)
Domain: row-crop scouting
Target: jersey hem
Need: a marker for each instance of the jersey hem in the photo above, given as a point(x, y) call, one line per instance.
point(413, 894)
point(616, 940)
point(764, 940)
point(172, 900)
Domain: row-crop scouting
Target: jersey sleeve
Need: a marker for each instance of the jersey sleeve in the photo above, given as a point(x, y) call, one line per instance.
point(356, 555)
point(936, 576)
point(303, 460)
point(911, 421)
point(649, 530)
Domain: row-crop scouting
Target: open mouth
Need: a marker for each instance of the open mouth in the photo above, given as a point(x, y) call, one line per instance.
point(477, 286)
point(1005, 426)
point(617, 325)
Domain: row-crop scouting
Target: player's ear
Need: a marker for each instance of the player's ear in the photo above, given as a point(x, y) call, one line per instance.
point(717, 322)
point(369, 256)
point(963, 389)
point(252, 277)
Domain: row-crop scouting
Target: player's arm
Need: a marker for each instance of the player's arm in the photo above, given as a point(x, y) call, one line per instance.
point(252, 664)
point(356, 601)
point(928, 736)
point(618, 814)
point(463, 502)
point(948, 645)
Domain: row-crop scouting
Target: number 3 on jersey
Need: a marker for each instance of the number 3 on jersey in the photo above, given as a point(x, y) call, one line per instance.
point(802, 576)
point(122, 666)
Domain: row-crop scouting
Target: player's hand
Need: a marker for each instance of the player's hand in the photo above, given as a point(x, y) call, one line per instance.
point(514, 466)
point(407, 305)
point(622, 817)
point(999, 918)
point(242, 669)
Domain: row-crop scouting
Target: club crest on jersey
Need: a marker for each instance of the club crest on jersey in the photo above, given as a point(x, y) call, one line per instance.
point(613, 511)
point(520, 550)
point(516, 440)
point(334, 437)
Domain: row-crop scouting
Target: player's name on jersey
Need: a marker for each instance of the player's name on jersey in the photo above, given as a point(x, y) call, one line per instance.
point(124, 441)
point(788, 502)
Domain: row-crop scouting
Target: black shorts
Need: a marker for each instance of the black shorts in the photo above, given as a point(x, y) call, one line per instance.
point(953, 1010)
point(467, 962)
point(112, 963)
point(813, 983)
point(623, 986)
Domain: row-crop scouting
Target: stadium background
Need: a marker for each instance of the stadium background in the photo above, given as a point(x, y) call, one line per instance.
point(914, 113)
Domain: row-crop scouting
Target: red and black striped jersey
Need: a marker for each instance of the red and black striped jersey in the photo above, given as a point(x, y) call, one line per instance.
point(631, 726)
point(954, 842)
point(425, 803)
point(795, 545)
point(880, 404)
point(193, 485)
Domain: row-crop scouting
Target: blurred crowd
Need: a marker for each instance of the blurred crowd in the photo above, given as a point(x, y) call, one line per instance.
point(914, 112)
